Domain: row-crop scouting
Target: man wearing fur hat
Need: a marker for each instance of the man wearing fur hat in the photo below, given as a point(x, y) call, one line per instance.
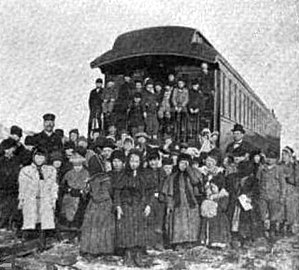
point(9, 171)
point(48, 139)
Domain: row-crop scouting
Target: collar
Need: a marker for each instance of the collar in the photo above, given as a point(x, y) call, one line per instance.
point(49, 134)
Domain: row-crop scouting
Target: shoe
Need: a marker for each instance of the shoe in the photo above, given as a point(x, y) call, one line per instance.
point(137, 258)
point(128, 260)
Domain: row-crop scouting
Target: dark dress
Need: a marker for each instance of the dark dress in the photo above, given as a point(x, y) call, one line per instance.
point(98, 229)
point(215, 231)
point(133, 195)
point(248, 224)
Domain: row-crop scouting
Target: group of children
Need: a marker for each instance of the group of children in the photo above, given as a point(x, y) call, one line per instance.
point(153, 107)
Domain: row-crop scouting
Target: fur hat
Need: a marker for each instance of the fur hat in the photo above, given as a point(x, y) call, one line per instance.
point(30, 141)
point(15, 130)
point(8, 143)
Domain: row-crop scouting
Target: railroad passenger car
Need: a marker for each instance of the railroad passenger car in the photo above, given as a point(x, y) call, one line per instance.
point(157, 51)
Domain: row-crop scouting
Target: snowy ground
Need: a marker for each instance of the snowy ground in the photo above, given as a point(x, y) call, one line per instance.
point(281, 255)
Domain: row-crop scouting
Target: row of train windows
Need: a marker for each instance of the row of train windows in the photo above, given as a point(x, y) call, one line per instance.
point(241, 108)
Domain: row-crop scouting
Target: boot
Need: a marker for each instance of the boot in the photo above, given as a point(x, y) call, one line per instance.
point(128, 260)
point(137, 258)
point(272, 231)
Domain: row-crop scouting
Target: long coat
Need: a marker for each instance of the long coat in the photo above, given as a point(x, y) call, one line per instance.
point(98, 229)
point(31, 188)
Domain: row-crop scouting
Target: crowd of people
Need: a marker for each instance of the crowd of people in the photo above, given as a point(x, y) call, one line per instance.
point(123, 194)
point(175, 106)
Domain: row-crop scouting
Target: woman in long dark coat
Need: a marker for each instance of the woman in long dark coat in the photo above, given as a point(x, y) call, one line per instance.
point(245, 218)
point(182, 205)
point(98, 229)
point(133, 199)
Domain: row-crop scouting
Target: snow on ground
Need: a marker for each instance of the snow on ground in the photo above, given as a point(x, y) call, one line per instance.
point(280, 256)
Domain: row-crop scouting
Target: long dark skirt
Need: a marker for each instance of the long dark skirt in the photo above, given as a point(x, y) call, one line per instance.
point(133, 229)
point(8, 209)
point(98, 229)
point(215, 231)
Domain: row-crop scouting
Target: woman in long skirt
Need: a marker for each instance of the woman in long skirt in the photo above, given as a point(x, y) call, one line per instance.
point(215, 231)
point(132, 200)
point(98, 229)
point(182, 205)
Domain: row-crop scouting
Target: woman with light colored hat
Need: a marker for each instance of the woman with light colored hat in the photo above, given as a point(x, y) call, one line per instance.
point(74, 199)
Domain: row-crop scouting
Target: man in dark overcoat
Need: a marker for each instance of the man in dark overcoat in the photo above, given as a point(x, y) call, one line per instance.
point(239, 148)
point(48, 139)
point(95, 106)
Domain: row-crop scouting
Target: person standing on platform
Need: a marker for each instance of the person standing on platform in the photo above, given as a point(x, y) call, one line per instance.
point(180, 99)
point(195, 109)
point(121, 105)
point(47, 139)
point(95, 107)
point(150, 103)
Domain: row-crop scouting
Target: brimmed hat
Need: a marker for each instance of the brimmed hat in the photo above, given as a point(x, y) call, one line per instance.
point(215, 133)
point(77, 159)
point(8, 143)
point(238, 127)
point(205, 130)
point(289, 150)
point(15, 130)
point(141, 134)
point(56, 155)
point(49, 117)
point(82, 139)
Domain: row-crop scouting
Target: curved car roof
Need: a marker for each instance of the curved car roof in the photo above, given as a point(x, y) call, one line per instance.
point(165, 40)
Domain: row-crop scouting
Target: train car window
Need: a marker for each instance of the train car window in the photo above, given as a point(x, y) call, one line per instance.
point(226, 112)
point(248, 112)
point(235, 102)
point(240, 106)
point(230, 103)
point(244, 109)
point(223, 91)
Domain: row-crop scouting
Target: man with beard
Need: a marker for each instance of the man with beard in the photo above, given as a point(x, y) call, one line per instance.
point(48, 139)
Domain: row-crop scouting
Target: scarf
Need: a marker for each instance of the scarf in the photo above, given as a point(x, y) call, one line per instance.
point(176, 190)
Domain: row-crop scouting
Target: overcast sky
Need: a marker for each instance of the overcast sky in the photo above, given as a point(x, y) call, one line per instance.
point(46, 47)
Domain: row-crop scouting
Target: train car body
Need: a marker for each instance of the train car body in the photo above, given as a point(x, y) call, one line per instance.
point(155, 52)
